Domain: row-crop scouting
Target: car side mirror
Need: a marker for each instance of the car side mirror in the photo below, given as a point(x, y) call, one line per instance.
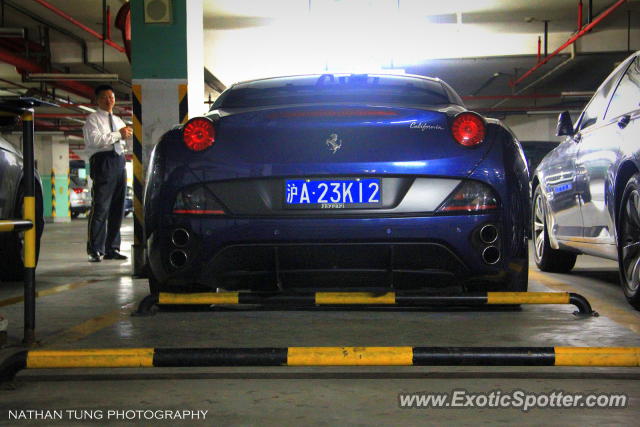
point(565, 125)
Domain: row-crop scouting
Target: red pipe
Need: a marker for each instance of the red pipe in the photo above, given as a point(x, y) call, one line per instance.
point(64, 115)
point(48, 124)
point(80, 25)
point(108, 22)
point(523, 108)
point(120, 104)
point(25, 65)
point(61, 116)
point(539, 46)
point(18, 44)
point(580, 15)
point(572, 40)
point(123, 22)
point(481, 97)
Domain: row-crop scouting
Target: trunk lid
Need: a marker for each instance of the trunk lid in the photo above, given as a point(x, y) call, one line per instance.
point(342, 139)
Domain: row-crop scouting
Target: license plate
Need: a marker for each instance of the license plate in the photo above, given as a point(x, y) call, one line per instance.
point(562, 188)
point(333, 193)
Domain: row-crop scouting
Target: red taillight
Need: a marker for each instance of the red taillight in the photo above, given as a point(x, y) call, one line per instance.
point(77, 190)
point(199, 134)
point(468, 129)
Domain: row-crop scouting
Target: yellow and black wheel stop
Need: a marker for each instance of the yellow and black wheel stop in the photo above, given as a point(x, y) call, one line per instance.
point(366, 298)
point(321, 356)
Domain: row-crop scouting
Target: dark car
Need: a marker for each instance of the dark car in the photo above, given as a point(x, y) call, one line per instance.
point(338, 182)
point(11, 195)
point(587, 190)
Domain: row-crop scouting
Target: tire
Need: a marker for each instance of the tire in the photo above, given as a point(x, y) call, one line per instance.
point(629, 241)
point(547, 258)
point(11, 244)
point(75, 214)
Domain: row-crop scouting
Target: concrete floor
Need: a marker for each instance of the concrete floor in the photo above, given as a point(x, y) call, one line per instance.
point(89, 305)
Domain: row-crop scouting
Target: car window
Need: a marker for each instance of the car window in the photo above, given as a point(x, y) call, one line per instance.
point(626, 98)
point(596, 108)
point(590, 114)
point(335, 88)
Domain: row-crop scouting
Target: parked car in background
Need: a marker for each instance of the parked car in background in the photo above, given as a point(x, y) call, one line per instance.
point(80, 194)
point(534, 152)
point(80, 200)
point(587, 190)
point(337, 181)
point(11, 201)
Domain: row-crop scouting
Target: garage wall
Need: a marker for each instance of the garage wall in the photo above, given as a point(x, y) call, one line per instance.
point(534, 127)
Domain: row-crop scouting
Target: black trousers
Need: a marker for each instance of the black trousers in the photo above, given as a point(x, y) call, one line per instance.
point(107, 193)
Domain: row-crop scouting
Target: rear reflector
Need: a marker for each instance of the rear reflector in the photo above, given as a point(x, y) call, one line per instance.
point(468, 208)
point(199, 134)
point(470, 197)
point(198, 212)
point(468, 129)
point(197, 200)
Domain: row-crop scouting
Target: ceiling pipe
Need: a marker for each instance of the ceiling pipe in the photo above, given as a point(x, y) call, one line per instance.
point(580, 15)
point(82, 42)
point(24, 65)
point(546, 37)
point(120, 104)
point(534, 96)
point(80, 25)
point(123, 23)
point(523, 109)
point(61, 116)
point(65, 115)
point(48, 124)
point(543, 77)
point(571, 41)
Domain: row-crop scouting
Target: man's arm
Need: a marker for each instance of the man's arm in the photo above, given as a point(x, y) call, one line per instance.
point(95, 138)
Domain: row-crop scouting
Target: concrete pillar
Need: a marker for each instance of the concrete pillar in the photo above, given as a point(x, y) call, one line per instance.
point(167, 63)
point(52, 159)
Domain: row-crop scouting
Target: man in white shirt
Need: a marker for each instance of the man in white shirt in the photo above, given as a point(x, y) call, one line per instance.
point(104, 135)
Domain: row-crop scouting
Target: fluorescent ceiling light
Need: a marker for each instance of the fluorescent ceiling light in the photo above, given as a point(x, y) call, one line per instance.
point(12, 32)
point(89, 109)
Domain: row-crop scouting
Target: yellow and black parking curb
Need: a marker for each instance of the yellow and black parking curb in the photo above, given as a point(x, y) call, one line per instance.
point(367, 298)
point(320, 356)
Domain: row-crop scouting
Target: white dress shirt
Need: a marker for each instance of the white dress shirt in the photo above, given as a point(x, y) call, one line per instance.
point(98, 136)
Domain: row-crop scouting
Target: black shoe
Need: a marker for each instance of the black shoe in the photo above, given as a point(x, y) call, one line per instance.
point(95, 257)
point(115, 255)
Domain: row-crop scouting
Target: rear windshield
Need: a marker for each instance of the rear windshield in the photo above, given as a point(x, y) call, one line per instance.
point(330, 88)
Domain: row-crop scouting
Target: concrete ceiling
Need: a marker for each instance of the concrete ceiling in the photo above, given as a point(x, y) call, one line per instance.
point(477, 46)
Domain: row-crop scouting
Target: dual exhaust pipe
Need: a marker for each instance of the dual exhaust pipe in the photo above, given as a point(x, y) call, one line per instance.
point(489, 235)
point(179, 257)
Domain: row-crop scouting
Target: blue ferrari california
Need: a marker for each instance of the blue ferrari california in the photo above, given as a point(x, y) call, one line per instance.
point(338, 182)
